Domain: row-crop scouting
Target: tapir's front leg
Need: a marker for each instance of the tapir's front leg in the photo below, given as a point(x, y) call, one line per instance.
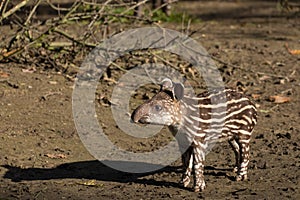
point(199, 158)
point(187, 160)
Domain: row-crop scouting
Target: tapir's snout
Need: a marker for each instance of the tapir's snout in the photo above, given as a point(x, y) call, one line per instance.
point(139, 115)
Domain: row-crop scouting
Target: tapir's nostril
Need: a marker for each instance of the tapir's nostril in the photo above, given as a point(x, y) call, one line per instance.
point(134, 116)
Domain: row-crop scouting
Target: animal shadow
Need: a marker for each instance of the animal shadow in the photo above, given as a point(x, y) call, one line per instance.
point(97, 170)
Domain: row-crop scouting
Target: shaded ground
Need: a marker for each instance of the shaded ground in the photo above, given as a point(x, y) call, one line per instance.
point(42, 156)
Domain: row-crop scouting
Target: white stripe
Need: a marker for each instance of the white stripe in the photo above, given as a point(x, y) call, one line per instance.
point(213, 94)
point(254, 120)
point(217, 113)
point(232, 126)
point(244, 132)
point(239, 111)
point(217, 125)
point(198, 119)
point(244, 164)
point(237, 121)
point(191, 162)
point(247, 118)
point(213, 130)
point(191, 107)
point(188, 119)
point(211, 105)
point(226, 129)
point(221, 104)
point(190, 130)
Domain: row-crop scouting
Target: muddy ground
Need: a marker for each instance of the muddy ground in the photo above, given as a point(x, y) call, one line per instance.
point(42, 156)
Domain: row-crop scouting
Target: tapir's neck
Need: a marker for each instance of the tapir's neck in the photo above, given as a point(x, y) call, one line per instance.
point(178, 121)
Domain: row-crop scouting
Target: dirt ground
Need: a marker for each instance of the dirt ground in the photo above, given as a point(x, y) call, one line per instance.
point(42, 156)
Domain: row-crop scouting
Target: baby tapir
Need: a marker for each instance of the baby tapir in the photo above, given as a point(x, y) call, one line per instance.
point(204, 119)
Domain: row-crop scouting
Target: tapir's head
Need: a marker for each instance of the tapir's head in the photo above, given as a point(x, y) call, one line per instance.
point(163, 108)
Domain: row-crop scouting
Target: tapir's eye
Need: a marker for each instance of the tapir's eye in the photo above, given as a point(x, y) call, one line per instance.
point(158, 107)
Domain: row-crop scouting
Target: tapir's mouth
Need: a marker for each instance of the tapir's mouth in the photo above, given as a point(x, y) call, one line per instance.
point(143, 120)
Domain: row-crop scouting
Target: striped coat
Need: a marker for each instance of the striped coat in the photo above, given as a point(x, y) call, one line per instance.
point(202, 120)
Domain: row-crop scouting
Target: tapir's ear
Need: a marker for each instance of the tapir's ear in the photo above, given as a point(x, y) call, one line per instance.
point(178, 91)
point(166, 84)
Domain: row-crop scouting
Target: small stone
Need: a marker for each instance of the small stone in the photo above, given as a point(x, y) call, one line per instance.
point(52, 82)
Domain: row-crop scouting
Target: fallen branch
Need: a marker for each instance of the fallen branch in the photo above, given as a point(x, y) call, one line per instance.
point(13, 10)
point(56, 30)
point(50, 42)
